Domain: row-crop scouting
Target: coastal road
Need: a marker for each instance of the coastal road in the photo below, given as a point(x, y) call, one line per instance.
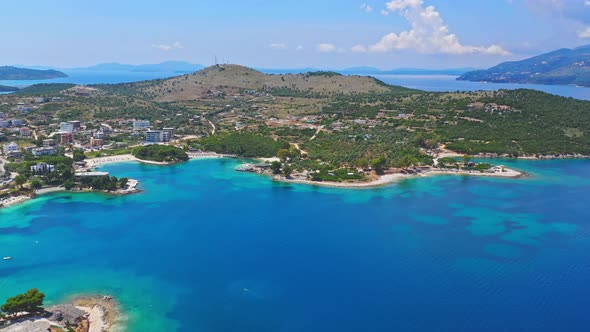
point(213, 126)
point(2, 163)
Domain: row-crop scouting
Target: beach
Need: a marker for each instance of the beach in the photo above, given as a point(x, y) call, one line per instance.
point(387, 179)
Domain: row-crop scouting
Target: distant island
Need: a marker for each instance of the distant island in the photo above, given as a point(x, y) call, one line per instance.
point(14, 73)
point(561, 67)
point(4, 88)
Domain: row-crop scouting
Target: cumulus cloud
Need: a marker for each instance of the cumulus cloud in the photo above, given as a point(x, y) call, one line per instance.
point(326, 48)
point(359, 49)
point(170, 47)
point(365, 7)
point(574, 11)
point(278, 46)
point(428, 34)
point(584, 33)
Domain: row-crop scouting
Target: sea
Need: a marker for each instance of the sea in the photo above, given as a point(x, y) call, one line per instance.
point(206, 248)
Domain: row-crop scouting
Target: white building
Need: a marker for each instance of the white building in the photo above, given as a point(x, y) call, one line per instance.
point(11, 147)
point(157, 136)
point(43, 151)
point(66, 127)
point(141, 125)
point(42, 168)
point(17, 122)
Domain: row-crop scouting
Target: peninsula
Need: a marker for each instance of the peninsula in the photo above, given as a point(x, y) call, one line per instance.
point(564, 67)
point(15, 74)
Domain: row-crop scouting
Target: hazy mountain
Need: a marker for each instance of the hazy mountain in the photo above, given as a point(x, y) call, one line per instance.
point(168, 66)
point(564, 66)
point(14, 73)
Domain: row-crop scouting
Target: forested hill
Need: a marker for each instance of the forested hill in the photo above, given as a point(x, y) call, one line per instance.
point(564, 66)
point(14, 73)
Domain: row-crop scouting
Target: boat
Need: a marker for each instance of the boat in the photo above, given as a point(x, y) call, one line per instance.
point(7, 258)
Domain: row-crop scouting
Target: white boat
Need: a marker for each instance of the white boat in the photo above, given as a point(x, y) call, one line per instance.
point(6, 258)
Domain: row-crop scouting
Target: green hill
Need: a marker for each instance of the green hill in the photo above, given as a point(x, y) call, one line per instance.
point(564, 66)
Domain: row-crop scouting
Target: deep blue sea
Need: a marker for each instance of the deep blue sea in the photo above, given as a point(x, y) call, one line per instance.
point(422, 82)
point(206, 248)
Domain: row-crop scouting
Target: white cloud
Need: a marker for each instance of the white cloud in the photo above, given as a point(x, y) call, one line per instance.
point(584, 33)
point(326, 48)
point(359, 49)
point(367, 8)
point(164, 47)
point(299, 48)
point(278, 46)
point(384, 12)
point(428, 34)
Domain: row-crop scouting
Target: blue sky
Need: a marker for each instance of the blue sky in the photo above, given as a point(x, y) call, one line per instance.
point(289, 33)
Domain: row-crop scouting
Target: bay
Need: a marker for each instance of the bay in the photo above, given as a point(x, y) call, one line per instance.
point(206, 248)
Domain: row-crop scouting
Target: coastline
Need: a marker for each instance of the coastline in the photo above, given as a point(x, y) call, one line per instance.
point(104, 312)
point(387, 179)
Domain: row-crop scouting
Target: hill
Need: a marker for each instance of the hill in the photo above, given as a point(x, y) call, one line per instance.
point(564, 66)
point(235, 79)
point(4, 88)
point(14, 73)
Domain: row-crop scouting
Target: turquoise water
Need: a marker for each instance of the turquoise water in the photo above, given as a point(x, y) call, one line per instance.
point(205, 248)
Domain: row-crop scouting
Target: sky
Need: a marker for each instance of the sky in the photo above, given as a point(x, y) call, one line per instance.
point(331, 34)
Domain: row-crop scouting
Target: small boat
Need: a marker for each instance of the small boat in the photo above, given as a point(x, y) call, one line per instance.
point(7, 258)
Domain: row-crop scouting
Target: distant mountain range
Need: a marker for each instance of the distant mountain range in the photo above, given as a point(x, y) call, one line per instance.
point(564, 66)
point(373, 71)
point(14, 73)
point(180, 67)
point(183, 67)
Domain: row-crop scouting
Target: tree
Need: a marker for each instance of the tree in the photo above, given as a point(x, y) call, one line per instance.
point(20, 180)
point(283, 154)
point(466, 159)
point(287, 170)
point(36, 183)
point(31, 301)
point(275, 167)
point(69, 184)
point(407, 161)
point(78, 155)
point(363, 163)
point(123, 182)
point(377, 164)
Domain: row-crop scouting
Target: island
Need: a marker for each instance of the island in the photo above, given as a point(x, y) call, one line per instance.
point(316, 128)
point(14, 74)
point(563, 67)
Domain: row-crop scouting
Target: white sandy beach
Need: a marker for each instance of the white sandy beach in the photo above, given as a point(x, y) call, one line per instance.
point(393, 178)
point(11, 201)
